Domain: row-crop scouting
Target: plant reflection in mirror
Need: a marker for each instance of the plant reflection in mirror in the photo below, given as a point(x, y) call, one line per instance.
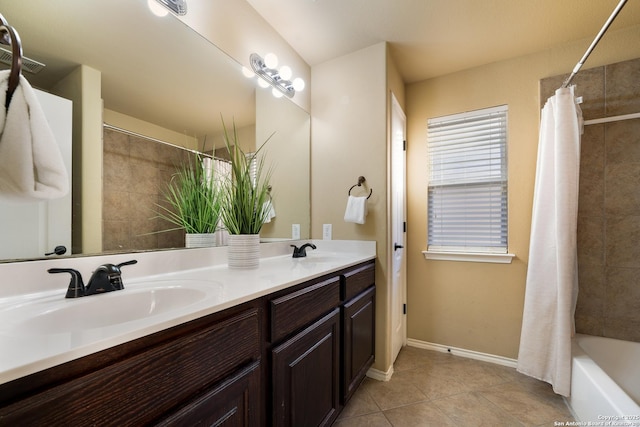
point(194, 197)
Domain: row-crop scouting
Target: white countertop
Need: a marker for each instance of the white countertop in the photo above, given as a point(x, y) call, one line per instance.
point(25, 351)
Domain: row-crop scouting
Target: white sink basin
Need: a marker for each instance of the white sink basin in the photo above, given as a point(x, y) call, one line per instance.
point(314, 257)
point(60, 315)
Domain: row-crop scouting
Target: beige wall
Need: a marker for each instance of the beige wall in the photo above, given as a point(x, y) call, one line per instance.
point(349, 132)
point(83, 86)
point(287, 129)
point(473, 305)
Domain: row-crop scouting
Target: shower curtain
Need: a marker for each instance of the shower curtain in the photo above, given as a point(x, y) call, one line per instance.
point(552, 274)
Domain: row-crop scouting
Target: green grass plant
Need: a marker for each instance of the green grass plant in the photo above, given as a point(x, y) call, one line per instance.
point(194, 198)
point(246, 193)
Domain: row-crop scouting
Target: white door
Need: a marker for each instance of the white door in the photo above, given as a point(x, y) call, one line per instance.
point(33, 229)
point(398, 228)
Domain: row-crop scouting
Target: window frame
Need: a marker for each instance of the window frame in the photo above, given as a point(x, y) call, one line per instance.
point(484, 175)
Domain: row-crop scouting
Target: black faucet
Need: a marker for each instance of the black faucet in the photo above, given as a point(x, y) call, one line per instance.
point(76, 285)
point(106, 278)
point(301, 252)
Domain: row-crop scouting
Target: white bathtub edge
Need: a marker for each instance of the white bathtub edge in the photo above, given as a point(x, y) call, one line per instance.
point(594, 395)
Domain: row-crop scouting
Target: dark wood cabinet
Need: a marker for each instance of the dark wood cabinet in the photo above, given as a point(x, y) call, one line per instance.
point(305, 373)
point(294, 310)
point(315, 372)
point(233, 403)
point(142, 381)
point(292, 358)
point(358, 349)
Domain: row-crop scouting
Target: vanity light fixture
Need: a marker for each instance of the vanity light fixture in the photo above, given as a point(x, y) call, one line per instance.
point(279, 79)
point(179, 7)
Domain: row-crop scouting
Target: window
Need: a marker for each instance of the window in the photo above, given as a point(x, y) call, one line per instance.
point(467, 192)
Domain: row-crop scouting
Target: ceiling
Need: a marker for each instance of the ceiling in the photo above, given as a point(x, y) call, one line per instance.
point(137, 53)
point(429, 38)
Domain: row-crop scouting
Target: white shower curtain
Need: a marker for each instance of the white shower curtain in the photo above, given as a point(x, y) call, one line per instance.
point(552, 274)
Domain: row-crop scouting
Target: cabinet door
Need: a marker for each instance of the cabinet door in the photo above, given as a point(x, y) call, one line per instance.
point(306, 375)
point(233, 403)
point(358, 319)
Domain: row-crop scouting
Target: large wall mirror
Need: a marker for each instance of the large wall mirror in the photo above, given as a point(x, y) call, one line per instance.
point(159, 81)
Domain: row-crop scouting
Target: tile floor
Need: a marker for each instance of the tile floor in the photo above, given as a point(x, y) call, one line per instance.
point(431, 388)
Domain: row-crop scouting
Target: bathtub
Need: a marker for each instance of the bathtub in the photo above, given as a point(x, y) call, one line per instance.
point(605, 381)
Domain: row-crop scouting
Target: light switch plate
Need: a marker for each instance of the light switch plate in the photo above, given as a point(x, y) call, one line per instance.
point(295, 231)
point(326, 231)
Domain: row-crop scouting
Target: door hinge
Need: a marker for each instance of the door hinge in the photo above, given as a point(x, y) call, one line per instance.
point(404, 308)
point(404, 145)
point(404, 226)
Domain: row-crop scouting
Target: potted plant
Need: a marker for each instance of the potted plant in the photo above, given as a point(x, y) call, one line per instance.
point(193, 202)
point(246, 202)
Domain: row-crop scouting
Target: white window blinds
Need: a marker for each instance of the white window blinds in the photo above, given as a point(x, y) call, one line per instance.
point(467, 192)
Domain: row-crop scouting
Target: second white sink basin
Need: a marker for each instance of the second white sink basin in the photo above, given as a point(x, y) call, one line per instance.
point(320, 257)
point(60, 315)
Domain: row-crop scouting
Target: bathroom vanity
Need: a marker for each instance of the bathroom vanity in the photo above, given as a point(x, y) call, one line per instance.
point(290, 352)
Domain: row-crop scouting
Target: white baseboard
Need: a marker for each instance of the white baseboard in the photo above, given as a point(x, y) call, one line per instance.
point(379, 375)
point(485, 357)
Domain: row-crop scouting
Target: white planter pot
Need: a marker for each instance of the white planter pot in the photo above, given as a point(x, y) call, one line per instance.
point(243, 251)
point(204, 240)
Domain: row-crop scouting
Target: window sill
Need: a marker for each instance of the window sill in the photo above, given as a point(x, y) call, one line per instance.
point(469, 257)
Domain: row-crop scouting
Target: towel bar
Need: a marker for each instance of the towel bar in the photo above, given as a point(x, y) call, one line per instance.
point(361, 181)
point(11, 38)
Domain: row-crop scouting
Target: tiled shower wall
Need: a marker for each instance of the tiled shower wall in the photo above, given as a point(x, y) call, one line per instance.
point(135, 170)
point(609, 201)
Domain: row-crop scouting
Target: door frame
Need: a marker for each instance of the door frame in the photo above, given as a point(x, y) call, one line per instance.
point(394, 304)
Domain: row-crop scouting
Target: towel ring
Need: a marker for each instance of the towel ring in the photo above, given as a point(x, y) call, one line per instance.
point(361, 180)
point(11, 38)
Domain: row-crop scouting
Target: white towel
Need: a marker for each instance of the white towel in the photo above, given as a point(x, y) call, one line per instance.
point(356, 209)
point(31, 166)
point(270, 211)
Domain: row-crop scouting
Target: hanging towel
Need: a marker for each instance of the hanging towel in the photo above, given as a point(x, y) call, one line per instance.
point(31, 165)
point(552, 276)
point(270, 210)
point(356, 209)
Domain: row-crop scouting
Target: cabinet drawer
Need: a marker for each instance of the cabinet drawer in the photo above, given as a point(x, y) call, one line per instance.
point(234, 402)
point(297, 309)
point(357, 280)
point(138, 389)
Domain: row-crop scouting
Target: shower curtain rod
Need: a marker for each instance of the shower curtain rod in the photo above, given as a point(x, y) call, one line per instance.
point(595, 41)
point(612, 119)
point(150, 138)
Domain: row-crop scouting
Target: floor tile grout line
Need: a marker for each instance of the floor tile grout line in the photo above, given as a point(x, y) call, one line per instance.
point(428, 366)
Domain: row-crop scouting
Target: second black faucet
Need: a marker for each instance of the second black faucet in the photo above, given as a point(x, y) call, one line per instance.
point(301, 252)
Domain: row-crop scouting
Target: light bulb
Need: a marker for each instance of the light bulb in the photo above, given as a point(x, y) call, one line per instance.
point(298, 84)
point(247, 72)
point(271, 60)
point(156, 8)
point(285, 72)
point(262, 83)
point(275, 92)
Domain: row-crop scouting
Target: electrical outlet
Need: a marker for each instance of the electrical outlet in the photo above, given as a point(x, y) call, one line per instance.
point(326, 231)
point(295, 231)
